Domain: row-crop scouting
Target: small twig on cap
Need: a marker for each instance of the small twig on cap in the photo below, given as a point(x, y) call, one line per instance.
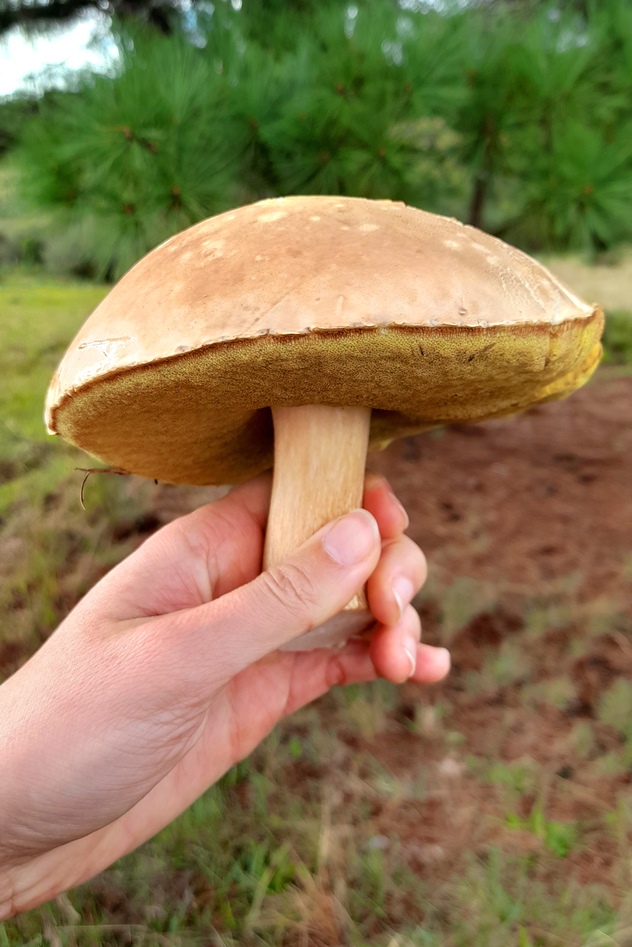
point(97, 470)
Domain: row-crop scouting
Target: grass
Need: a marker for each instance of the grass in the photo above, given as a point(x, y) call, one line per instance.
point(382, 817)
point(606, 282)
point(53, 550)
point(615, 709)
point(39, 317)
point(559, 837)
point(618, 338)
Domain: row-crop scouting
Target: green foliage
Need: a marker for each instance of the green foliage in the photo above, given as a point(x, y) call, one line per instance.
point(47, 537)
point(136, 158)
point(580, 194)
point(518, 776)
point(21, 233)
point(559, 837)
point(15, 112)
point(615, 709)
point(617, 338)
point(38, 318)
point(512, 117)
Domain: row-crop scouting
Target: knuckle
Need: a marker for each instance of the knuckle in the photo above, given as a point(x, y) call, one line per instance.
point(336, 673)
point(292, 586)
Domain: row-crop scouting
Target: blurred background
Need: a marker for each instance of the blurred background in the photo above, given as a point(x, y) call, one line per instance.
point(495, 809)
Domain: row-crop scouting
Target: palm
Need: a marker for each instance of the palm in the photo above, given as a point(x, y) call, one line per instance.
point(182, 689)
point(236, 719)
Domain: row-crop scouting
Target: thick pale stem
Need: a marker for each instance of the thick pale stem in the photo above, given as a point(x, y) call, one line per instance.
point(319, 464)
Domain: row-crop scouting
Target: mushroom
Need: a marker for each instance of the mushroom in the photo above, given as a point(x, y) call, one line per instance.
point(312, 328)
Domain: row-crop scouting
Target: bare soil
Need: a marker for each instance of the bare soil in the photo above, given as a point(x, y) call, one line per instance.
point(547, 494)
point(540, 507)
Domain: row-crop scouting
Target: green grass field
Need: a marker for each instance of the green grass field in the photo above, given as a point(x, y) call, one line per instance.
point(379, 817)
point(50, 545)
point(38, 319)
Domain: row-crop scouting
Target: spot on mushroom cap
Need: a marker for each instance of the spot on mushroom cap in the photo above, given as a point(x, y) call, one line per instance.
point(355, 302)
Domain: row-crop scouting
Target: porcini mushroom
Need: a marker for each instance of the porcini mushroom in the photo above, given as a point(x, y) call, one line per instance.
point(313, 327)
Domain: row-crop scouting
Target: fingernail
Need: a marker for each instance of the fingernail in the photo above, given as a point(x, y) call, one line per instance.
point(403, 592)
point(352, 538)
point(410, 650)
point(403, 512)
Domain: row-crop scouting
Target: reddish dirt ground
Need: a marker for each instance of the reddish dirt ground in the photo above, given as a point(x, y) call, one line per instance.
point(534, 505)
point(549, 492)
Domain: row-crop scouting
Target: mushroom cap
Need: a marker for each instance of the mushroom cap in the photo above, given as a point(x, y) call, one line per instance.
point(313, 300)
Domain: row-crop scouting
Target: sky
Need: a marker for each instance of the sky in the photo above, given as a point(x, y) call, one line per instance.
point(31, 62)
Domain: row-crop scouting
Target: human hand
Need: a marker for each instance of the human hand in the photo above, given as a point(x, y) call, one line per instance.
point(167, 673)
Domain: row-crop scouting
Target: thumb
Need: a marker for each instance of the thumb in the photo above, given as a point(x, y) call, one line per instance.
point(293, 597)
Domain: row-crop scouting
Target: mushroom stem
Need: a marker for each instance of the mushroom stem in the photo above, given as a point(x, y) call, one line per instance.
point(319, 463)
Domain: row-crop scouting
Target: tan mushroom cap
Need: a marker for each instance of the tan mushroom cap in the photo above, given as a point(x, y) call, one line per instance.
point(313, 300)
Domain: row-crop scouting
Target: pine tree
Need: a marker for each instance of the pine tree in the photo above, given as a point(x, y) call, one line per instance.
point(514, 117)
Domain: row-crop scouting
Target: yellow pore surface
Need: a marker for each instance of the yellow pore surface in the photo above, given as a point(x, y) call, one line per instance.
point(203, 417)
